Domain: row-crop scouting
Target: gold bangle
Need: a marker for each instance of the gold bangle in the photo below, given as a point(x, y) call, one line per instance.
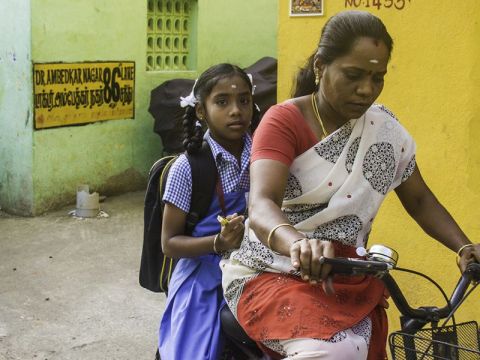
point(459, 252)
point(215, 243)
point(270, 234)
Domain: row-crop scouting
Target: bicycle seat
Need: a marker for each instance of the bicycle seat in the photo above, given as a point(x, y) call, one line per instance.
point(237, 335)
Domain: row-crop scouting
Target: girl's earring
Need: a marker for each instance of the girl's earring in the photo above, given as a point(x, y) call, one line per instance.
point(317, 77)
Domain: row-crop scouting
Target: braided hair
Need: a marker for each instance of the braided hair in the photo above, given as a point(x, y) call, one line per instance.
point(339, 35)
point(193, 134)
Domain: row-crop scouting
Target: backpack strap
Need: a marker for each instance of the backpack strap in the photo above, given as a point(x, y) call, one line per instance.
point(204, 179)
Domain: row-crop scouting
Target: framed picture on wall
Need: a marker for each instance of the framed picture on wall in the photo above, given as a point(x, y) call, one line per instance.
point(306, 7)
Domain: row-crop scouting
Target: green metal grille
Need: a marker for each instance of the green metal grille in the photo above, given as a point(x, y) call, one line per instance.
point(168, 34)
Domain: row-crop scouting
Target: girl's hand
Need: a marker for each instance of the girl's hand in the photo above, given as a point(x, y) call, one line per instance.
point(468, 255)
point(231, 235)
point(305, 255)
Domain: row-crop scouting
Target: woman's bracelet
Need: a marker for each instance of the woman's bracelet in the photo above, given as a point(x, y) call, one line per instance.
point(270, 234)
point(215, 243)
point(459, 252)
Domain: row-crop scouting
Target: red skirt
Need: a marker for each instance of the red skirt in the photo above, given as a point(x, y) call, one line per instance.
point(280, 306)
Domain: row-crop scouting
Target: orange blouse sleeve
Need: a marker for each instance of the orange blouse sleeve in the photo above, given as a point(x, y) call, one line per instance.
point(282, 135)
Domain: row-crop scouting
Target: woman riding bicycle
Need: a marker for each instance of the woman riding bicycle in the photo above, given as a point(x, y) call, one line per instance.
point(321, 165)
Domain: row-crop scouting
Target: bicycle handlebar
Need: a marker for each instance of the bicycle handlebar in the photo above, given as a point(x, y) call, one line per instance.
point(349, 266)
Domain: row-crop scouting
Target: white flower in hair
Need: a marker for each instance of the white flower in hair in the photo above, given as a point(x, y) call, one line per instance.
point(189, 100)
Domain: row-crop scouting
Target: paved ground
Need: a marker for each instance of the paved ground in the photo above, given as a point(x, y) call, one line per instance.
point(69, 287)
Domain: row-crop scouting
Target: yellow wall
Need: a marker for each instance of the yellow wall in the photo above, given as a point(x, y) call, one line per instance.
point(433, 86)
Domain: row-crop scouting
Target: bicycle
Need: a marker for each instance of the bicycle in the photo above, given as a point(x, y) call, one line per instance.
point(414, 341)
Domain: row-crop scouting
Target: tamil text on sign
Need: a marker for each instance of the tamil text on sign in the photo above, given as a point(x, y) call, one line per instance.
point(77, 93)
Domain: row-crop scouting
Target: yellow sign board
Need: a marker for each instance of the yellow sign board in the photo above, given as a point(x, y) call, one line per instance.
point(78, 93)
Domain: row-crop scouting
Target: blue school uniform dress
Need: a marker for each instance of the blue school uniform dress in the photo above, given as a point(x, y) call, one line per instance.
point(190, 327)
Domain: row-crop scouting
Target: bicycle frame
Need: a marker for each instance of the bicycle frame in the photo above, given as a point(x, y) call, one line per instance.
point(442, 342)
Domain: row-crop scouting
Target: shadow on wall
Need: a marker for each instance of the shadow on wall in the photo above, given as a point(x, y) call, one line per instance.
point(165, 101)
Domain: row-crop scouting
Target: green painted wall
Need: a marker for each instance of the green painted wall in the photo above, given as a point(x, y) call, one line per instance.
point(16, 188)
point(236, 31)
point(111, 156)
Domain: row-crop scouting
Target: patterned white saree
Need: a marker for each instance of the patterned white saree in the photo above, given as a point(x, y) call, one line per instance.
point(333, 193)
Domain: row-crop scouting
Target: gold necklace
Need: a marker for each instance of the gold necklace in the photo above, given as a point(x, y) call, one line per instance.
point(317, 115)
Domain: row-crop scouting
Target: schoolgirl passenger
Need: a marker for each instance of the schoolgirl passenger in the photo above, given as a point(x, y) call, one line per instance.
point(221, 100)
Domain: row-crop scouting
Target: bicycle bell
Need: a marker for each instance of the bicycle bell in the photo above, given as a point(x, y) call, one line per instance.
point(383, 253)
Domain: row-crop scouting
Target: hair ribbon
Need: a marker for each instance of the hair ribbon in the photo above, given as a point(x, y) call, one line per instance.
point(250, 77)
point(190, 99)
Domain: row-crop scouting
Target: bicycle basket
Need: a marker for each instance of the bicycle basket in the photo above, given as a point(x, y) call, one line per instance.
point(460, 341)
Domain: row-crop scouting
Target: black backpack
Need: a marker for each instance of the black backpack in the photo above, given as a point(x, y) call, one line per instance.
point(155, 267)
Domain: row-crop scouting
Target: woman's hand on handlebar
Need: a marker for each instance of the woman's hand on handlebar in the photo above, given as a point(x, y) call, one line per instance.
point(305, 255)
point(468, 255)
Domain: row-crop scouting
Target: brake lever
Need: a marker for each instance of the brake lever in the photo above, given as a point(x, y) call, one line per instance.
point(472, 272)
